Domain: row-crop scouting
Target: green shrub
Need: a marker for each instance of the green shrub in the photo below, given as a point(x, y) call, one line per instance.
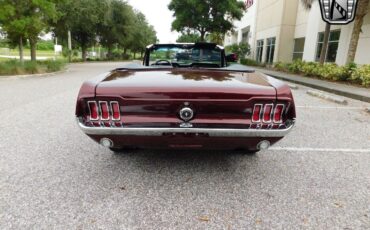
point(126, 56)
point(250, 62)
point(281, 66)
point(117, 55)
point(54, 66)
point(296, 66)
point(45, 45)
point(331, 71)
point(77, 59)
point(11, 67)
point(348, 71)
point(328, 71)
point(15, 67)
point(362, 75)
point(310, 68)
point(31, 67)
point(241, 49)
point(325, 71)
point(74, 53)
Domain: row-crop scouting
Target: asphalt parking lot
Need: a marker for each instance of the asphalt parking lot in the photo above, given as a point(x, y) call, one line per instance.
point(52, 176)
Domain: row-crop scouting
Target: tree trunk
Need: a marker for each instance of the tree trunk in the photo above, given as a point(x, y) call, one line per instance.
point(134, 55)
point(141, 54)
point(84, 54)
point(325, 44)
point(110, 53)
point(33, 43)
point(359, 20)
point(21, 56)
point(202, 35)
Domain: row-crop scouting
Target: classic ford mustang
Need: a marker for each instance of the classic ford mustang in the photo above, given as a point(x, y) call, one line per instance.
point(185, 96)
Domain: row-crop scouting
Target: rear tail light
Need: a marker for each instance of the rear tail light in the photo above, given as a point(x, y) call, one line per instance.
point(116, 115)
point(257, 111)
point(278, 113)
point(268, 113)
point(93, 109)
point(104, 111)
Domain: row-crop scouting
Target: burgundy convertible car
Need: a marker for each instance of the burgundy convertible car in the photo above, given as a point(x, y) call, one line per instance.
point(185, 96)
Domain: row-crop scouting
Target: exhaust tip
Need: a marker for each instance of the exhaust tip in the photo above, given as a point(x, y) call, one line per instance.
point(106, 142)
point(263, 145)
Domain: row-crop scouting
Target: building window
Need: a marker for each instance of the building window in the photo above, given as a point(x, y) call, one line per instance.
point(331, 53)
point(270, 46)
point(245, 36)
point(298, 48)
point(259, 50)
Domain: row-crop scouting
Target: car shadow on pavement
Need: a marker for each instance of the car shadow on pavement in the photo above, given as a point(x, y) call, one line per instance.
point(198, 160)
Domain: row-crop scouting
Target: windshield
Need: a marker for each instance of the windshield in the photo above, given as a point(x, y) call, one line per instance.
point(184, 56)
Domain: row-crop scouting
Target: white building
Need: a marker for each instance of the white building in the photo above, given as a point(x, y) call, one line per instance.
point(283, 30)
point(245, 29)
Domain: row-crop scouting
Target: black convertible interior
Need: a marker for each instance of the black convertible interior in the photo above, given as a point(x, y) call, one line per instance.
point(193, 55)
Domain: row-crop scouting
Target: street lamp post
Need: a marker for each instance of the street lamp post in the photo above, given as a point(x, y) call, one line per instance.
point(69, 46)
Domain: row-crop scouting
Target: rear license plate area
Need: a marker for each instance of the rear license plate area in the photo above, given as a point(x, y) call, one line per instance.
point(186, 134)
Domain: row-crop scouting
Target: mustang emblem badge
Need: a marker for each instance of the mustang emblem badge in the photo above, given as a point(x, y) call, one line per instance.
point(186, 114)
point(338, 11)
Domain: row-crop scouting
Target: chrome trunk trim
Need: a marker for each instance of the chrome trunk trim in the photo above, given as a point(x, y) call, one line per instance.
point(125, 131)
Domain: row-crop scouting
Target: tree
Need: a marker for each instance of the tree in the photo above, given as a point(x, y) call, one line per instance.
point(308, 5)
point(116, 26)
point(83, 18)
point(188, 37)
point(37, 15)
point(109, 22)
point(13, 23)
point(216, 37)
point(142, 34)
point(362, 10)
point(26, 19)
point(241, 49)
point(150, 37)
point(206, 16)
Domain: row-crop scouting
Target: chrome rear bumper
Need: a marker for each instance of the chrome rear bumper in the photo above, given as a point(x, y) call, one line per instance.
point(123, 131)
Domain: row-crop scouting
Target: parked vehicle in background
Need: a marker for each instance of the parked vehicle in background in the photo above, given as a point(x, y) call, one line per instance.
point(233, 57)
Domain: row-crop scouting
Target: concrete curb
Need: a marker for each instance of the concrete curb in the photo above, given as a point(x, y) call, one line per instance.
point(307, 82)
point(329, 90)
point(327, 97)
point(35, 75)
point(292, 86)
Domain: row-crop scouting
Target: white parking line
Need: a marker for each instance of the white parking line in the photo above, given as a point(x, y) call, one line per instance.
point(303, 149)
point(329, 107)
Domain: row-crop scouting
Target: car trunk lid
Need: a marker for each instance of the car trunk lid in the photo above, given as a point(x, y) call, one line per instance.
point(186, 84)
point(219, 99)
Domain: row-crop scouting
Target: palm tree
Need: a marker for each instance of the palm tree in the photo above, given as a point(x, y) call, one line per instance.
point(362, 10)
point(308, 5)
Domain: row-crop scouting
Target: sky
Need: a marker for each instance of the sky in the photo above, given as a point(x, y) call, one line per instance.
point(158, 15)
